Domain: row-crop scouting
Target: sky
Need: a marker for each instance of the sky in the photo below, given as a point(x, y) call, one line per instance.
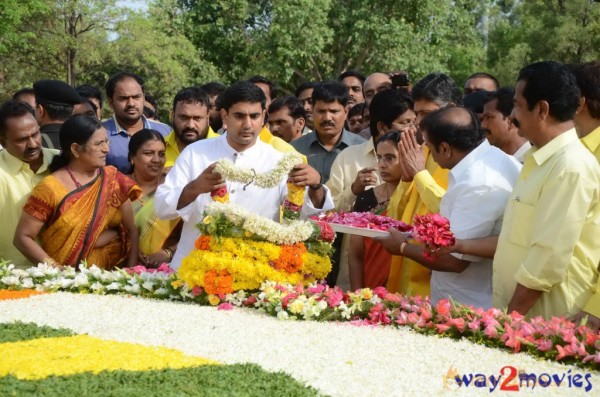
point(138, 5)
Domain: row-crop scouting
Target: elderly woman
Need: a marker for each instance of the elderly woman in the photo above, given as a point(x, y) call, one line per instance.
point(158, 238)
point(82, 211)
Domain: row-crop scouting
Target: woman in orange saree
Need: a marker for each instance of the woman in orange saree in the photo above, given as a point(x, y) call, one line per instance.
point(82, 211)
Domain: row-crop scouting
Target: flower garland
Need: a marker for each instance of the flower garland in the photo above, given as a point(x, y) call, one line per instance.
point(556, 339)
point(266, 180)
point(433, 230)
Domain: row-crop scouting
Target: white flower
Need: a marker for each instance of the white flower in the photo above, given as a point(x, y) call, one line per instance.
point(10, 280)
point(96, 287)
point(36, 272)
point(132, 289)
point(27, 283)
point(161, 291)
point(114, 286)
point(81, 280)
point(20, 273)
point(283, 315)
point(149, 285)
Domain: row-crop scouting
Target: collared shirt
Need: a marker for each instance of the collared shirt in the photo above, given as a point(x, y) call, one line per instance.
point(320, 158)
point(119, 141)
point(549, 238)
point(592, 142)
point(16, 183)
point(343, 173)
point(478, 188)
point(520, 153)
point(172, 149)
point(194, 159)
point(50, 134)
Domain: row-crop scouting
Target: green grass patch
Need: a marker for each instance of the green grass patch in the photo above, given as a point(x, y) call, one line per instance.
point(207, 381)
point(18, 331)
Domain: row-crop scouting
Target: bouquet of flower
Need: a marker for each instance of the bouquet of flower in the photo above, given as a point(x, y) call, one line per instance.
point(433, 230)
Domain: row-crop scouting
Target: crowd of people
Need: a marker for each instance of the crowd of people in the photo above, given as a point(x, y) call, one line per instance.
point(514, 169)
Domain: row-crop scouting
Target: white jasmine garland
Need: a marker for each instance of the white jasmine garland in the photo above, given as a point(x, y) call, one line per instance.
point(294, 232)
point(267, 180)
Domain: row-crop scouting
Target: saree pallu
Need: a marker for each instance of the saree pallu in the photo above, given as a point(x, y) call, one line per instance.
point(153, 232)
point(75, 220)
point(407, 276)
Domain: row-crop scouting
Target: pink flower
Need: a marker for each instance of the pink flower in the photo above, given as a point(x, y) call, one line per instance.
point(196, 290)
point(250, 301)
point(380, 292)
point(139, 269)
point(544, 345)
point(287, 299)
point(334, 297)
point(413, 318)
point(317, 289)
point(491, 331)
point(443, 307)
point(165, 268)
point(442, 328)
point(225, 306)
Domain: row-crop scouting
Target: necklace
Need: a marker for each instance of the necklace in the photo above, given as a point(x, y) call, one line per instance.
point(75, 181)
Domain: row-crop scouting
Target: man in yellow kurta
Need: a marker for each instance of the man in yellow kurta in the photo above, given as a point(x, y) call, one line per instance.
point(23, 163)
point(546, 263)
point(587, 123)
point(424, 192)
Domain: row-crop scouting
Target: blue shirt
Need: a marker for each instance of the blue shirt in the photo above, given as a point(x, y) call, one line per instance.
point(119, 141)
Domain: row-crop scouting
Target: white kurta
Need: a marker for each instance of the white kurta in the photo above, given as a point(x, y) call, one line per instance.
point(478, 188)
point(194, 159)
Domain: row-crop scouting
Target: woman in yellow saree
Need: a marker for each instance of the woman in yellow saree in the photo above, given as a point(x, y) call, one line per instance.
point(82, 211)
point(158, 238)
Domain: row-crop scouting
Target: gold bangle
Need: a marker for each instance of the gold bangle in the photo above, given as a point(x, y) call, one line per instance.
point(402, 246)
point(169, 253)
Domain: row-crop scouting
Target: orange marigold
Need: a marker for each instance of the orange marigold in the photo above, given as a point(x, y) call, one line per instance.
point(290, 258)
point(203, 243)
point(6, 294)
point(218, 282)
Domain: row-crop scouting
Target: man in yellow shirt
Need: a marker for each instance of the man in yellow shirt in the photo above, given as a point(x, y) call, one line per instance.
point(547, 256)
point(190, 122)
point(23, 163)
point(587, 123)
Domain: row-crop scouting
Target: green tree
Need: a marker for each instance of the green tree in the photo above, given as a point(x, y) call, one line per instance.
point(534, 30)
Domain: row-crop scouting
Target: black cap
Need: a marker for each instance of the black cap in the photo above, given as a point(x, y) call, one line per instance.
point(55, 92)
point(475, 101)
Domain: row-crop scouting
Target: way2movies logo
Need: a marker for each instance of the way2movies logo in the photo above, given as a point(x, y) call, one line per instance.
point(510, 378)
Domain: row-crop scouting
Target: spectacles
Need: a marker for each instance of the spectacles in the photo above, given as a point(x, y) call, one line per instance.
point(405, 124)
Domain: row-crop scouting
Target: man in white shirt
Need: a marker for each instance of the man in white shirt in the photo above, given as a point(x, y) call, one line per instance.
point(498, 125)
point(187, 187)
point(480, 182)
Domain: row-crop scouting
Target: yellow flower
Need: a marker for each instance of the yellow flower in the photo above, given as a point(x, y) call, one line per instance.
point(296, 306)
point(214, 300)
point(40, 358)
point(366, 293)
point(207, 219)
point(177, 283)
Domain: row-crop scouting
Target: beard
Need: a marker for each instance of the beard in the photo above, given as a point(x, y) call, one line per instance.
point(187, 139)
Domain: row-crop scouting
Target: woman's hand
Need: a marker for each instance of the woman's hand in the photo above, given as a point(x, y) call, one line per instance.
point(106, 237)
point(155, 260)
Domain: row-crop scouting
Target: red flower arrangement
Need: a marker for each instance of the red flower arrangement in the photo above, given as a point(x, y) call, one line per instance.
point(221, 195)
point(365, 220)
point(326, 233)
point(433, 230)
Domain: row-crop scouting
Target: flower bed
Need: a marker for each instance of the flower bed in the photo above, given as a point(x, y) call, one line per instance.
point(556, 339)
point(338, 359)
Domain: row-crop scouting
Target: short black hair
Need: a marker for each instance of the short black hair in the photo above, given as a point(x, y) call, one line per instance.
point(139, 138)
point(260, 79)
point(23, 91)
point(241, 91)
point(330, 91)
point(386, 106)
point(293, 105)
point(304, 86)
point(554, 83)
point(588, 80)
point(441, 126)
point(356, 110)
point(438, 88)
point(392, 136)
point(505, 97)
point(89, 91)
point(12, 108)
point(213, 88)
point(55, 111)
point(118, 77)
point(194, 95)
point(352, 73)
point(150, 99)
point(484, 75)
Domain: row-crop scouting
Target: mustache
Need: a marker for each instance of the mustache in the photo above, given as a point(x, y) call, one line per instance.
point(190, 130)
point(131, 107)
point(327, 123)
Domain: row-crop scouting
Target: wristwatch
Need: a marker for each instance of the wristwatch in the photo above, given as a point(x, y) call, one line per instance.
point(318, 186)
